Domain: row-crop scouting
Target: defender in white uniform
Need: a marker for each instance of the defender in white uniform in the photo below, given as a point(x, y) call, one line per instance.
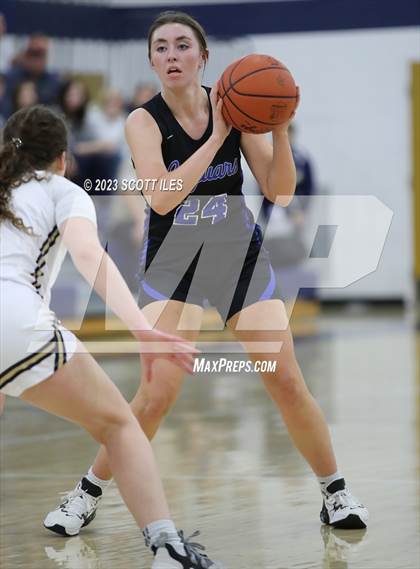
point(33, 343)
point(42, 214)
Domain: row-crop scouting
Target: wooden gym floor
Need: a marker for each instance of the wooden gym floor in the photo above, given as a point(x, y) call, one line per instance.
point(230, 470)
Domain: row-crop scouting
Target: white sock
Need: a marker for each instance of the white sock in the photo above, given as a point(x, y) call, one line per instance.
point(153, 531)
point(325, 481)
point(97, 481)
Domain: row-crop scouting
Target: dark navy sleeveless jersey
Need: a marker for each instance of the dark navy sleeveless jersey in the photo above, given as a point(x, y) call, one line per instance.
point(215, 210)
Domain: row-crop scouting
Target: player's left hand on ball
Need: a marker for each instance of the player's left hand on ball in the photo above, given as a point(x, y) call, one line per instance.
point(292, 116)
point(155, 345)
point(285, 125)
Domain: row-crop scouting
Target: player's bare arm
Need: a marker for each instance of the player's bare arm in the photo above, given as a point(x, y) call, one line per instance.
point(271, 164)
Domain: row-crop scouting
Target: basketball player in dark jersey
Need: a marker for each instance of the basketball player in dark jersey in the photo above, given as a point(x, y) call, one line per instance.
point(180, 135)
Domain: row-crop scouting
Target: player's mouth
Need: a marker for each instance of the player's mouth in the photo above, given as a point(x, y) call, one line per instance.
point(173, 71)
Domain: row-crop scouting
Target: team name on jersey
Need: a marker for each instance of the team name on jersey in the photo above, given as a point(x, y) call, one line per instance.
point(217, 172)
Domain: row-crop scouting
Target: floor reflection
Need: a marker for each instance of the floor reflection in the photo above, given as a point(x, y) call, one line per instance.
point(75, 553)
point(340, 545)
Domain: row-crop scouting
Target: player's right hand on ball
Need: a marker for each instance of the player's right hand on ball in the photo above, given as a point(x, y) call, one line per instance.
point(155, 345)
point(220, 128)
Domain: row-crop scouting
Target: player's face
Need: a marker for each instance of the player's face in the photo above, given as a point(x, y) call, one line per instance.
point(176, 55)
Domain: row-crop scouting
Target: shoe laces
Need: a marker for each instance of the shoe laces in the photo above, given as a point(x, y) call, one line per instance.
point(71, 504)
point(192, 549)
point(343, 498)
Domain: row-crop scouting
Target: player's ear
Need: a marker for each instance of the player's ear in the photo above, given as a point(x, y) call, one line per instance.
point(204, 57)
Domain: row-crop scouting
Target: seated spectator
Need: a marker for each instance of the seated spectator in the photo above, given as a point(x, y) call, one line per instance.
point(31, 65)
point(24, 95)
point(113, 124)
point(96, 155)
point(86, 122)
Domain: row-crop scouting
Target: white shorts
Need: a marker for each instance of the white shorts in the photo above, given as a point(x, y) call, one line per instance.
point(33, 343)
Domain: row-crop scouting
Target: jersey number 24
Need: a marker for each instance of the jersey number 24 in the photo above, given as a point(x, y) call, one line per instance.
point(188, 212)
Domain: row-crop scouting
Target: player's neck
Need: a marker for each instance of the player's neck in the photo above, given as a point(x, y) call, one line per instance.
point(189, 102)
point(58, 166)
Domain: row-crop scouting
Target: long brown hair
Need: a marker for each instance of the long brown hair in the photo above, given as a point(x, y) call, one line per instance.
point(32, 139)
point(175, 17)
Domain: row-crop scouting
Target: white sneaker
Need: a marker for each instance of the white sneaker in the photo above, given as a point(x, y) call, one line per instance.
point(76, 511)
point(342, 510)
point(168, 556)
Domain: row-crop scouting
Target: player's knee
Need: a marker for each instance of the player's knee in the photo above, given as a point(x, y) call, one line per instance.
point(286, 386)
point(155, 407)
point(110, 421)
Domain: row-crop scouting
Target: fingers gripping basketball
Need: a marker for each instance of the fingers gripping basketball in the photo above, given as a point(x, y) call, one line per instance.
point(258, 93)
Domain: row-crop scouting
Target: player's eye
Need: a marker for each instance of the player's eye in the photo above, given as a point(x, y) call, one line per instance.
point(160, 48)
point(183, 46)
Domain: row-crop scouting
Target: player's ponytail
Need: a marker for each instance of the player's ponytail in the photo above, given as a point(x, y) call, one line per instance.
point(10, 164)
point(32, 139)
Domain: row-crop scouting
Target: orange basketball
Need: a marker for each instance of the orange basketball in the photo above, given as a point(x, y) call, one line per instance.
point(258, 93)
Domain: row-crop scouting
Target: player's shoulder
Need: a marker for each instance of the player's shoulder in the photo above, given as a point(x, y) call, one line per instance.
point(142, 119)
point(61, 184)
point(138, 116)
point(63, 190)
point(45, 183)
point(70, 200)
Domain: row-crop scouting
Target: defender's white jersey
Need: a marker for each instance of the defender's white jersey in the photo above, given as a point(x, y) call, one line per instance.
point(33, 343)
point(35, 260)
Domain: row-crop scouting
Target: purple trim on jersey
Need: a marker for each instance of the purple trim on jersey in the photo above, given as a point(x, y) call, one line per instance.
point(268, 293)
point(146, 240)
point(153, 292)
point(245, 214)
